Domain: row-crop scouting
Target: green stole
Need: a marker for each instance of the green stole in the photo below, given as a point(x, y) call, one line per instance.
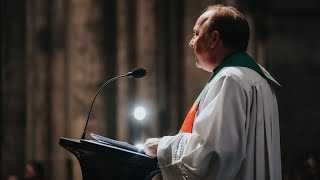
point(238, 59)
point(242, 59)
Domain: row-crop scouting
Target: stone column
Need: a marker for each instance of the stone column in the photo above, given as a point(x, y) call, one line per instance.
point(125, 61)
point(59, 92)
point(88, 66)
point(38, 89)
point(169, 61)
point(146, 95)
point(176, 44)
point(13, 98)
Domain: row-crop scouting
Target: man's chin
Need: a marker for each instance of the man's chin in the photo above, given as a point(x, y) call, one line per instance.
point(197, 63)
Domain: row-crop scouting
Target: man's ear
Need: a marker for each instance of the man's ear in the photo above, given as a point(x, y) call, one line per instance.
point(215, 37)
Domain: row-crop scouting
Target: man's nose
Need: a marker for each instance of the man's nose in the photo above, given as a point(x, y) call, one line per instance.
point(191, 43)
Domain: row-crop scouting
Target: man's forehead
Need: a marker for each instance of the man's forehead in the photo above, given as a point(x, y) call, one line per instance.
point(204, 17)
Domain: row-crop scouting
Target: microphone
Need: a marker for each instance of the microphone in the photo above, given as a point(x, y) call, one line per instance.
point(135, 73)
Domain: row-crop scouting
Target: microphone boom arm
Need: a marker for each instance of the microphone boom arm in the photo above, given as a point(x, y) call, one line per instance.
point(106, 83)
point(135, 73)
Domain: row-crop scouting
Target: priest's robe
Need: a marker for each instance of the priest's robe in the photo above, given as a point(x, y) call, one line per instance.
point(235, 135)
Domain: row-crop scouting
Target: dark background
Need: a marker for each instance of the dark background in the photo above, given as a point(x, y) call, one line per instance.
point(55, 54)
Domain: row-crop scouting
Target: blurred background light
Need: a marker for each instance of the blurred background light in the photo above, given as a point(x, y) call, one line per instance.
point(139, 113)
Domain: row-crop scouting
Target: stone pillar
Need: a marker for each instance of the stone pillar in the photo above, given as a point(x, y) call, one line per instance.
point(146, 48)
point(38, 90)
point(88, 69)
point(59, 93)
point(128, 28)
point(176, 44)
point(13, 98)
point(169, 60)
point(109, 35)
point(125, 61)
point(256, 47)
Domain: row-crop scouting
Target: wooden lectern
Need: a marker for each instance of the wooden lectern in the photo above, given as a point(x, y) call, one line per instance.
point(102, 161)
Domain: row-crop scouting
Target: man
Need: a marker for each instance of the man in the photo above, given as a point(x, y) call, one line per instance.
point(232, 130)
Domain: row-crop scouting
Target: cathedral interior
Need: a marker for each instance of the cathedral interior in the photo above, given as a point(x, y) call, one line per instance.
point(56, 54)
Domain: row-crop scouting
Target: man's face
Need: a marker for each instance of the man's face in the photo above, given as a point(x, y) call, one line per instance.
point(200, 42)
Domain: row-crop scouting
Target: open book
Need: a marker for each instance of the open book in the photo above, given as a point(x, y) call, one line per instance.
point(116, 143)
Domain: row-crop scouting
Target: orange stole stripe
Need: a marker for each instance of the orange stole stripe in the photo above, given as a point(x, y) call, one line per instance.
point(189, 120)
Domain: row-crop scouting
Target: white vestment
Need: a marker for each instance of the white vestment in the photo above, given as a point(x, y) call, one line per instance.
point(235, 134)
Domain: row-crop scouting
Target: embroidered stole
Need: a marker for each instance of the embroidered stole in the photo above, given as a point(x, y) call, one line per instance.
point(238, 59)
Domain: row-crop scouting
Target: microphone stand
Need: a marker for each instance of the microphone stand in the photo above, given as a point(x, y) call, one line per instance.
point(135, 73)
point(106, 83)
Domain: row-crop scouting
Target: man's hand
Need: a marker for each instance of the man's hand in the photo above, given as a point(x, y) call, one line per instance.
point(151, 146)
